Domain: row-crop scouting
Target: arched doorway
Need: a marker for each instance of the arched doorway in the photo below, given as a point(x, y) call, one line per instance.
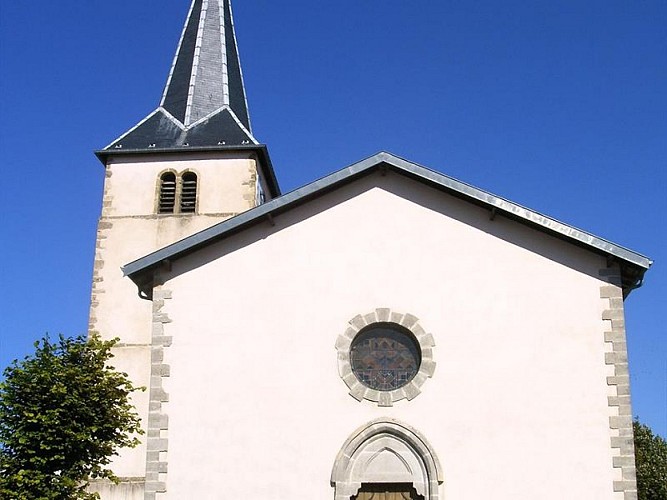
point(386, 460)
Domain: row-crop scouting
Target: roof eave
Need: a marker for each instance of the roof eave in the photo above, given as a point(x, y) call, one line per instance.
point(633, 265)
point(261, 149)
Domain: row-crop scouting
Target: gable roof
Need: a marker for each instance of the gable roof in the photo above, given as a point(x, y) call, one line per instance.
point(633, 265)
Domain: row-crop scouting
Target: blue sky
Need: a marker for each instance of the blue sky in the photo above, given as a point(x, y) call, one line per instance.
point(560, 106)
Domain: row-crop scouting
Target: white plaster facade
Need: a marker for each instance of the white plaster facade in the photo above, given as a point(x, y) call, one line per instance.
point(246, 313)
point(518, 404)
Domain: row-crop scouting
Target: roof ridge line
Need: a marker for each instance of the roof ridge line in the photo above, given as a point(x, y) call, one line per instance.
point(238, 61)
point(223, 44)
point(148, 117)
point(204, 118)
point(499, 201)
point(178, 51)
point(195, 62)
point(240, 124)
point(173, 118)
point(127, 132)
point(412, 170)
point(218, 111)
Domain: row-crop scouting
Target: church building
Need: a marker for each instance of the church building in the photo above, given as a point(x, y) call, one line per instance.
point(384, 333)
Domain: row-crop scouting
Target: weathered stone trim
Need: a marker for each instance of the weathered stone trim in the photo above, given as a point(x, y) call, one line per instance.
point(127, 487)
point(250, 194)
point(103, 227)
point(348, 471)
point(385, 398)
point(158, 421)
point(620, 409)
point(179, 215)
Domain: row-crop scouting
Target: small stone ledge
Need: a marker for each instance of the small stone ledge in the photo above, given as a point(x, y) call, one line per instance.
point(409, 391)
point(609, 291)
point(127, 487)
point(137, 479)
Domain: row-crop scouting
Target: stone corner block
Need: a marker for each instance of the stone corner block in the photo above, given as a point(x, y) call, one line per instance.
point(609, 291)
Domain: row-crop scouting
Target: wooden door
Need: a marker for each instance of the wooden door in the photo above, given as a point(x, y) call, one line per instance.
point(395, 491)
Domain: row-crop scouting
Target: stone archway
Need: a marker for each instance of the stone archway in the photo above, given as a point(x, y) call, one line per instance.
point(386, 452)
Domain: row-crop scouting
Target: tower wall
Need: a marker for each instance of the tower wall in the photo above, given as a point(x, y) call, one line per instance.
point(131, 227)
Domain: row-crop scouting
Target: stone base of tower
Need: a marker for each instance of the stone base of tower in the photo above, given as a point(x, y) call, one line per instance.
point(128, 489)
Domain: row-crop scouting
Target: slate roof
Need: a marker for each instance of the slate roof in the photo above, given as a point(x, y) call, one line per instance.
point(204, 101)
point(633, 265)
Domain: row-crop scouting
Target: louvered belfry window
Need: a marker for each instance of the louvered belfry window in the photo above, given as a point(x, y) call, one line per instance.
point(178, 193)
point(189, 192)
point(167, 200)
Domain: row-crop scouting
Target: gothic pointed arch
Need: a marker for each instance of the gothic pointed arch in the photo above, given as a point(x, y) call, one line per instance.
point(386, 451)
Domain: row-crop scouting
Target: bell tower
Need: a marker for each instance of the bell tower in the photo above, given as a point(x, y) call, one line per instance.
point(189, 164)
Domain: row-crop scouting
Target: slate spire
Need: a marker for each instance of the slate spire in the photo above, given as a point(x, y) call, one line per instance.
point(204, 102)
point(206, 74)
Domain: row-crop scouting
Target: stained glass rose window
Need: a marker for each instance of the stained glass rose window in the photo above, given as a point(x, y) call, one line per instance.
point(385, 356)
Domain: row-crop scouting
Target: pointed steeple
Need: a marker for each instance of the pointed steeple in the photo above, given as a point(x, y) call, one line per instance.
point(206, 74)
point(204, 102)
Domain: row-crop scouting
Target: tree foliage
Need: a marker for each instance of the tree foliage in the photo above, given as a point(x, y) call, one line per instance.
point(63, 414)
point(651, 461)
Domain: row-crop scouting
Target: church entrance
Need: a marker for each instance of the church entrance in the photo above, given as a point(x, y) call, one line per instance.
point(387, 491)
point(386, 460)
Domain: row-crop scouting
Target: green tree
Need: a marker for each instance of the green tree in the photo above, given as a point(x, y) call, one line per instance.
point(64, 412)
point(651, 461)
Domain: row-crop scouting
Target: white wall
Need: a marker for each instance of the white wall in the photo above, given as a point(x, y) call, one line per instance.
point(517, 407)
